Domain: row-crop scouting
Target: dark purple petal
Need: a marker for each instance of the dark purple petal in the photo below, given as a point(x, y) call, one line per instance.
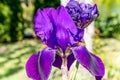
point(70, 59)
point(82, 14)
point(91, 62)
point(98, 77)
point(39, 65)
point(74, 39)
point(42, 25)
point(74, 10)
point(58, 61)
point(79, 35)
point(65, 20)
point(95, 11)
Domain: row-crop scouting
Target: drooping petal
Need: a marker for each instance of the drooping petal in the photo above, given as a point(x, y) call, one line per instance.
point(98, 77)
point(39, 65)
point(42, 25)
point(70, 59)
point(91, 62)
point(58, 61)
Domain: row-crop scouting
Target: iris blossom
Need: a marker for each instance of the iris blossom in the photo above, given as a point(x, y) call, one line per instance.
point(82, 13)
point(62, 37)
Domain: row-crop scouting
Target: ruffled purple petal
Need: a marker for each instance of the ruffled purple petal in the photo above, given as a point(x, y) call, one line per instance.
point(39, 65)
point(64, 26)
point(62, 37)
point(42, 25)
point(95, 11)
point(81, 13)
point(65, 20)
point(74, 39)
point(58, 61)
point(52, 14)
point(91, 62)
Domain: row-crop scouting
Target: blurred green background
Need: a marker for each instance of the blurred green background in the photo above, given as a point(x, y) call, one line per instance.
point(18, 41)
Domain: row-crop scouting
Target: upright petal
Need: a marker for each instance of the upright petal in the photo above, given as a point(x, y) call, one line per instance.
point(65, 20)
point(62, 37)
point(58, 61)
point(39, 65)
point(52, 14)
point(81, 13)
point(91, 62)
point(74, 39)
point(95, 11)
point(65, 26)
point(42, 25)
point(79, 35)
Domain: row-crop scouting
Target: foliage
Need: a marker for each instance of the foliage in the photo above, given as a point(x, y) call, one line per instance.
point(11, 21)
point(12, 60)
point(108, 21)
point(109, 27)
point(46, 3)
point(18, 55)
point(108, 49)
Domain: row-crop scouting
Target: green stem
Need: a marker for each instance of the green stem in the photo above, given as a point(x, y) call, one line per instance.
point(75, 71)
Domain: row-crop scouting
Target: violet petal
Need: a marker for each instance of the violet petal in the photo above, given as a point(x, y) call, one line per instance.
point(65, 20)
point(39, 65)
point(62, 37)
point(42, 25)
point(70, 59)
point(91, 62)
point(58, 61)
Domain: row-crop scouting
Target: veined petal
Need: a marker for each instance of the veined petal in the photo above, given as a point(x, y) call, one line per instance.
point(52, 14)
point(42, 25)
point(74, 39)
point(81, 13)
point(58, 61)
point(65, 20)
point(91, 62)
point(79, 35)
point(62, 37)
point(39, 65)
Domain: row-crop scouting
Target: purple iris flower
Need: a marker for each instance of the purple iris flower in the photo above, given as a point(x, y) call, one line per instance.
point(58, 31)
point(82, 14)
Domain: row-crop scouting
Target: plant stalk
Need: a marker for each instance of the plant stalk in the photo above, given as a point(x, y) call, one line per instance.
point(75, 72)
point(64, 69)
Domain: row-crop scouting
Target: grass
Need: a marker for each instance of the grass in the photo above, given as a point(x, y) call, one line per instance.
point(13, 57)
point(109, 51)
